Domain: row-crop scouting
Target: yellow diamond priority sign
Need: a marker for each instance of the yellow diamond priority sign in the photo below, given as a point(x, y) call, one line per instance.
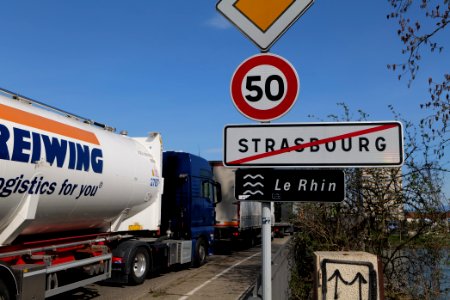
point(263, 21)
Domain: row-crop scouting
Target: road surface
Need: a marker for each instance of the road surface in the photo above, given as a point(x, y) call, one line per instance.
point(222, 277)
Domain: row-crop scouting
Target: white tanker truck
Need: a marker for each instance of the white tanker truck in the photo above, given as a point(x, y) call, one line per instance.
point(80, 203)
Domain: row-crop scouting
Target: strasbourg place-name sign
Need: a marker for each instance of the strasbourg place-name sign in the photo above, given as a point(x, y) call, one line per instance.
point(352, 144)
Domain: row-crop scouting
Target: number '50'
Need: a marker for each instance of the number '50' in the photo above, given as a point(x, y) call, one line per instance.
point(254, 84)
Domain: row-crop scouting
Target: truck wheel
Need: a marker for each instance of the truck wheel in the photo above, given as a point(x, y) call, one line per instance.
point(139, 261)
point(201, 251)
point(4, 292)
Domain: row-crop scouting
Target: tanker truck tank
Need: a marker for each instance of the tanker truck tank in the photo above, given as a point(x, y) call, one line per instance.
point(59, 173)
point(80, 204)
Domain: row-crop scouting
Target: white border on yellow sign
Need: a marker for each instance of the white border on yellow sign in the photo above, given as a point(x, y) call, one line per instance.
point(264, 40)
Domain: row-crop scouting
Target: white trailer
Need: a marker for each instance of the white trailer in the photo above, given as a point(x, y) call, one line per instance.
point(235, 220)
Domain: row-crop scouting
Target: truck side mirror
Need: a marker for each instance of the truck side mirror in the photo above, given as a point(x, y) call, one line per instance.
point(218, 192)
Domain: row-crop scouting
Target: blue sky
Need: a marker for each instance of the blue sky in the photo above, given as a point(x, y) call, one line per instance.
point(166, 66)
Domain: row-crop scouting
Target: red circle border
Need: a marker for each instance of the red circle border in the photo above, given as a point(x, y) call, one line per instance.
point(286, 103)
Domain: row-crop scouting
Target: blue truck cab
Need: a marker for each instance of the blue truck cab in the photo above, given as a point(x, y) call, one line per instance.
point(188, 202)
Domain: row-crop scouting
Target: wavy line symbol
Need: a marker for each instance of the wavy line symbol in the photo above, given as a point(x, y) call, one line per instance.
point(253, 177)
point(254, 184)
point(253, 192)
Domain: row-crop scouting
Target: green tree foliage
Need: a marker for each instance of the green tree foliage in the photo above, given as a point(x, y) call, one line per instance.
point(372, 219)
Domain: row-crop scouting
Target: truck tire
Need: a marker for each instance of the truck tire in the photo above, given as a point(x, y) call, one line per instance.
point(140, 262)
point(4, 292)
point(201, 251)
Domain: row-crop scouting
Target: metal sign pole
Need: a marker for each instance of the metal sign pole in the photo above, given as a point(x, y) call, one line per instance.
point(266, 251)
point(266, 236)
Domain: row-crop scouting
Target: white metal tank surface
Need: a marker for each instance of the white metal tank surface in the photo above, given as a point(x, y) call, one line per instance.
point(58, 173)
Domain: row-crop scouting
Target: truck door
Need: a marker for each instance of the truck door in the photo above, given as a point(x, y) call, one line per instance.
point(175, 211)
point(209, 194)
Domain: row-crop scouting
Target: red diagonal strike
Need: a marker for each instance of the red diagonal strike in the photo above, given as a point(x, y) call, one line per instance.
point(315, 143)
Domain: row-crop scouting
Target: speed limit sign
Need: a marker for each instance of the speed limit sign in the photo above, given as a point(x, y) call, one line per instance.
point(264, 87)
